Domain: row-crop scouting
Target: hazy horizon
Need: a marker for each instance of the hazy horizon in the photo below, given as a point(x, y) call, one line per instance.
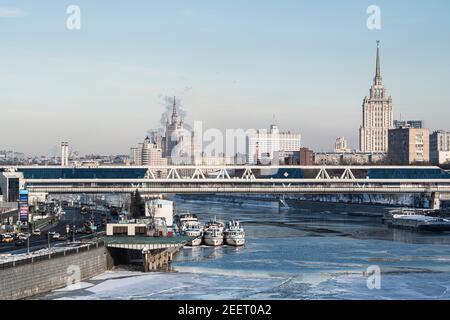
point(231, 64)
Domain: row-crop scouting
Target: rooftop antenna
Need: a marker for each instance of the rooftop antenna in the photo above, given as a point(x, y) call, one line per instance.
point(378, 67)
point(174, 111)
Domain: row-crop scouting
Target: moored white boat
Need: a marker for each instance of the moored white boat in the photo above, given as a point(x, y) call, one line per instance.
point(213, 235)
point(189, 226)
point(195, 242)
point(193, 229)
point(388, 217)
point(420, 223)
point(234, 234)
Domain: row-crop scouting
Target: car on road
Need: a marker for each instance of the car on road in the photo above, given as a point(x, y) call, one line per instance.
point(59, 237)
point(56, 236)
point(20, 243)
point(23, 236)
point(36, 232)
point(51, 233)
point(85, 210)
point(7, 238)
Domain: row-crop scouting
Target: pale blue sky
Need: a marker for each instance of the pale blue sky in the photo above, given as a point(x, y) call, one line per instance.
point(234, 64)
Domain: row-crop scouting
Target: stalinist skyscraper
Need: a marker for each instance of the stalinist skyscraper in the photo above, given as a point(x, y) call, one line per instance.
point(174, 132)
point(377, 115)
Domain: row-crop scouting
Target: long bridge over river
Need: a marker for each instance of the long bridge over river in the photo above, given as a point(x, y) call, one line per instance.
point(278, 180)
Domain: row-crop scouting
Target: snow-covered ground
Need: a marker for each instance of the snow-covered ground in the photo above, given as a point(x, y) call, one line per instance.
point(5, 258)
point(215, 285)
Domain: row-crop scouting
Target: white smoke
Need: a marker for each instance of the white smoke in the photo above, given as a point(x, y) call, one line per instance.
point(167, 104)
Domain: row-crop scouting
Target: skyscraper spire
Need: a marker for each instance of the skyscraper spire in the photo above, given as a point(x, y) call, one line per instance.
point(378, 67)
point(176, 119)
point(378, 115)
point(174, 112)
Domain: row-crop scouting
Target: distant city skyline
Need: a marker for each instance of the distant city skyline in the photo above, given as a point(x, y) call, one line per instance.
point(231, 64)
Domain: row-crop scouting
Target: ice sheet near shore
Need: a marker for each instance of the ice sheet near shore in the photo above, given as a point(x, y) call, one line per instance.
point(185, 285)
point(284, 268)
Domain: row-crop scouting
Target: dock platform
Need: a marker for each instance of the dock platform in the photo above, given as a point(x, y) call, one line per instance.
point(145, 243)
point(157, 252)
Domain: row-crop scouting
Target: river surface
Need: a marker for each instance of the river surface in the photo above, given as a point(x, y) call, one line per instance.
point(308, 253)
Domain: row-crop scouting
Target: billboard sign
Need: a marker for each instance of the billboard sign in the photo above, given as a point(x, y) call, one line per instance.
point(23, 205)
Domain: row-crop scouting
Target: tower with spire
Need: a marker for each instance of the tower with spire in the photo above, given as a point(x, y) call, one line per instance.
point(173, 129)
point(176, 120)
point(377, 116)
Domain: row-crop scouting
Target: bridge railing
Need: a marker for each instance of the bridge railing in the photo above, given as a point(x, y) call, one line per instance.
point(256, 189)
point(12, 262)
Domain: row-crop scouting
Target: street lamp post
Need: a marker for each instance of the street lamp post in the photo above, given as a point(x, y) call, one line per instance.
point(73, 226)
point(68, 233)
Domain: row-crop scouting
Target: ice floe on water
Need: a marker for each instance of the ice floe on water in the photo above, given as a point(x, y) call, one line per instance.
point(198, 286)
point(125, 285)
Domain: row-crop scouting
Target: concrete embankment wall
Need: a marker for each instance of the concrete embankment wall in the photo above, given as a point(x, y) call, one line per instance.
point(33, 278)
point(369, 199)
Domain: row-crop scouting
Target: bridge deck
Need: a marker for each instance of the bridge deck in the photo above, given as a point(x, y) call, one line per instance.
point(256, 189)
point(235, 179)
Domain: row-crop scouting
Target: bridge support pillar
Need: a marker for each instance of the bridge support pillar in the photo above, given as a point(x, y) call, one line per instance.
point(158, 260)
point(146, 263)
point(435, 201)
point(149, 262)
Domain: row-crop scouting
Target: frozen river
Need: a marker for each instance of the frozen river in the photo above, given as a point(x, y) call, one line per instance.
point(308, 253)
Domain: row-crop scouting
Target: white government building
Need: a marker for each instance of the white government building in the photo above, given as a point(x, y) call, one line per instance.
point(266, 146)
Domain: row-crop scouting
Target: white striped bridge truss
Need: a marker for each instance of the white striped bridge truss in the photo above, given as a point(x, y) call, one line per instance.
point(249, 180)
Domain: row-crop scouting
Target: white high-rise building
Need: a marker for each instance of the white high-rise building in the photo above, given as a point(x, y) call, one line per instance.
point(136, 155)
point(266, 146)
point(341, 145)
point(147, 153)
point(64, 154)
point(377, 115)
point(152, 155)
